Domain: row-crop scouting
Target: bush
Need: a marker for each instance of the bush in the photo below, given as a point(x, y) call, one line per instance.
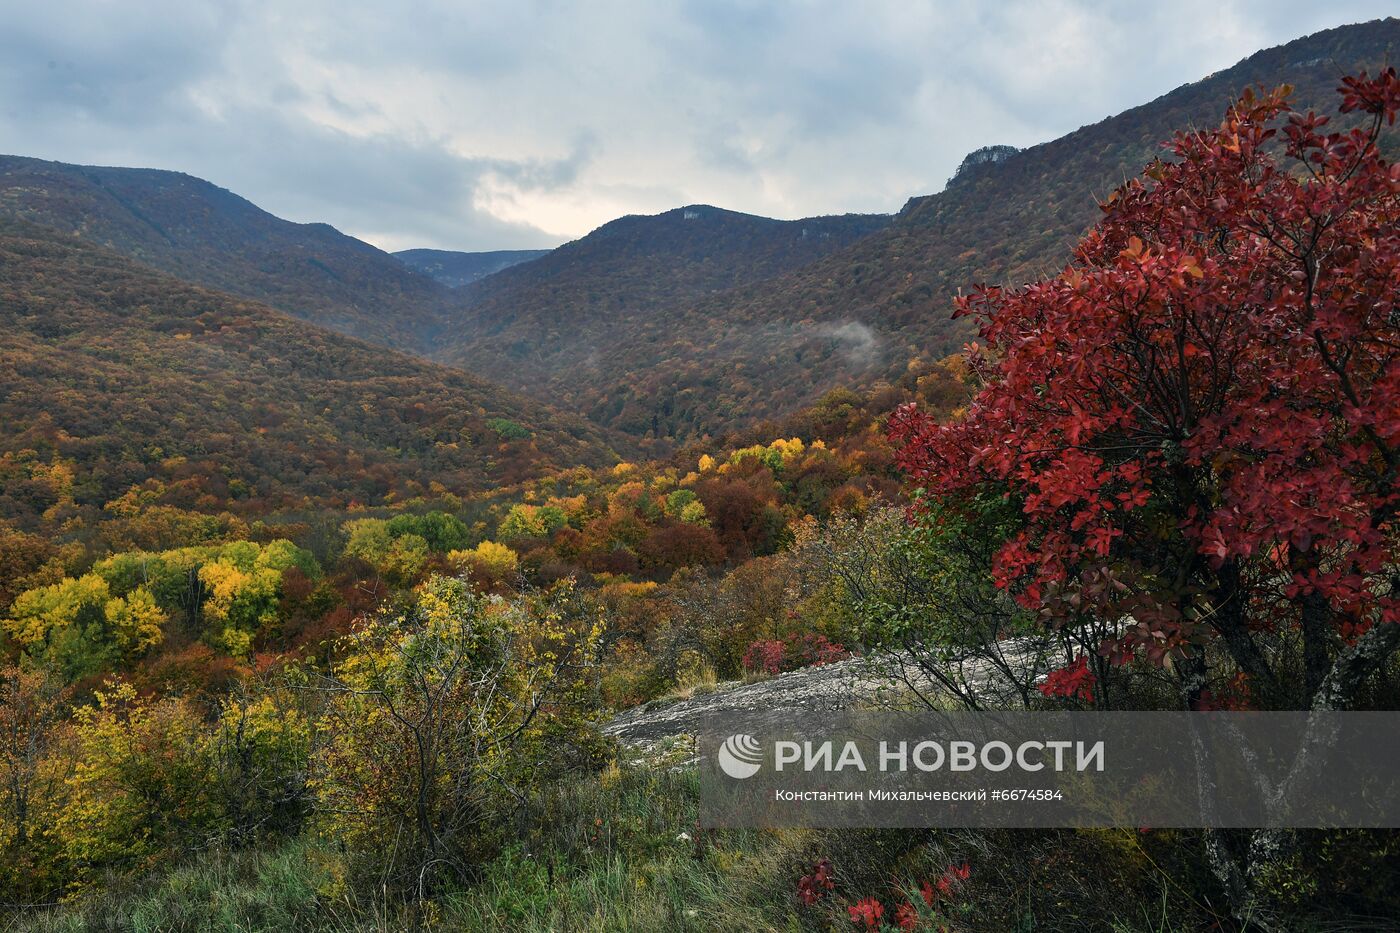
point(440, 719)
point(774, 656)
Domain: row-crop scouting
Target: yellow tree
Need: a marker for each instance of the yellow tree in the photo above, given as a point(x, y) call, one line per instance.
point(141, 784)
point(80, 627)
point(488, 563)
point(31, 781)
point(438, 719)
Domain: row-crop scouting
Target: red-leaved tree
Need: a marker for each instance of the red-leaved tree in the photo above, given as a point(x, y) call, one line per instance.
point(1199, 418)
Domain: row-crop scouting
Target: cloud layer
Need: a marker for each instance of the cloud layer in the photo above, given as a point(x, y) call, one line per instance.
point(516, 124)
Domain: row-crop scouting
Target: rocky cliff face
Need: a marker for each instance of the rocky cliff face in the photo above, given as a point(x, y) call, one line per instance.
point(987, 155)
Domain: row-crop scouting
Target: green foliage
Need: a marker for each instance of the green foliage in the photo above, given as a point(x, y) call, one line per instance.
point(929, 582)
point(280, 888)
point(693, 513)
point(80, 627)
point(621, 852)
point(135, 781)
point(677, 500)
point(230, 593)
point(406, 558)
point(532, 521)
point(400, 557)
point(258, 750)
point(442, 532)
point(368, 539)
point(140, 788)
point(508, 430)
point(171, 576)
point(33, 705)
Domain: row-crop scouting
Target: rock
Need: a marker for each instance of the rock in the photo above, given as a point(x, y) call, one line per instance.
point(886, 681)
point(977, 158)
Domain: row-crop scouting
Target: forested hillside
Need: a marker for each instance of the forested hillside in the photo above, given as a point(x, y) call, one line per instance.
point(542, 327)
point(859, 314)
point(204, 234)
point(114, 376)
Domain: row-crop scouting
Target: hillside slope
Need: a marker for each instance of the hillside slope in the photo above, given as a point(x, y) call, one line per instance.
point(192, 229)
point(128, 375)
point(540, 326)
point(861, 313)
point(455, 269)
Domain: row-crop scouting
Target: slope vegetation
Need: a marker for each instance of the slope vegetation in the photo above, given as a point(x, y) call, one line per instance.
point(204, 234)
point(542, 326)
point(112, 375)
point(684, 367)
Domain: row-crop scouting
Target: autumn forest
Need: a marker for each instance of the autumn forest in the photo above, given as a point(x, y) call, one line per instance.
point(332, 578)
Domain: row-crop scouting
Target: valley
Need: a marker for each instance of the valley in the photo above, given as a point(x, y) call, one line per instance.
point(350, 589)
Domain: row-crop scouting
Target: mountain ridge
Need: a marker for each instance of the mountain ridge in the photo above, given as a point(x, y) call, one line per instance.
point(533, 324)
point(135, 377)
point(185, 226)
point(858, 315)
point(693, 321)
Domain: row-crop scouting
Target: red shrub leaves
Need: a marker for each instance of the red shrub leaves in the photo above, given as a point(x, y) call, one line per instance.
point(814, 650)
point(1075, 681)
point(948, 883)
point(867, 913)
point(774, 656)
point(812, 888)
point(1200, 417)
point(765, 656)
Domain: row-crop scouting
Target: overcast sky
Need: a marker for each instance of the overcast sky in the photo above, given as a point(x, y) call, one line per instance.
point(468, 125)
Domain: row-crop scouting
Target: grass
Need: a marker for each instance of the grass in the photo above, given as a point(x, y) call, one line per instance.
point(617, 853)
point(621, 852)
point(270, 890)
point(695, 679)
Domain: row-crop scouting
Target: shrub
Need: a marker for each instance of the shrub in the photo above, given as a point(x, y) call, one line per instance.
point(508, 430)
point(532, 521)
point(766, 656)
point(440, 718)
point(774, 656)
point(141, 784)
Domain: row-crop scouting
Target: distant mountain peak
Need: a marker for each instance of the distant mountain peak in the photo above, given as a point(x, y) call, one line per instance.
point(455, 269)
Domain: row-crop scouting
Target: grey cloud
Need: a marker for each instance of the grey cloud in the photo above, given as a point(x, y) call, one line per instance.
point(63, 60)
point(549, 173)
point(475, 125)
point(378, 184)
